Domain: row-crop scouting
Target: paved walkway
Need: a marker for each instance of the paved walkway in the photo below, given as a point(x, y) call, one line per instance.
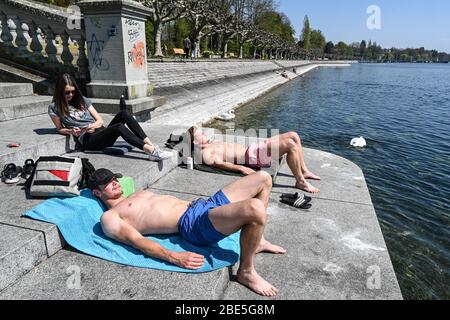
point(333, 249)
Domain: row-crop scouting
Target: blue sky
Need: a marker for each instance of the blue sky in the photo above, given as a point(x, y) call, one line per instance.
point(404, 23)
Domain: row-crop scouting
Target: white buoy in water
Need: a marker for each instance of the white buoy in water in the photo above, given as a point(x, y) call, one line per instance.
point(358, 142)
point(226, 116)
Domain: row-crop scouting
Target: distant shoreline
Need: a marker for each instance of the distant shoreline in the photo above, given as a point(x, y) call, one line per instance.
point(406, 62)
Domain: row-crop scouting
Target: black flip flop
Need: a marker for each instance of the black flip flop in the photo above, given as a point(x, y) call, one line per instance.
point(295, 196)
point(299, 201)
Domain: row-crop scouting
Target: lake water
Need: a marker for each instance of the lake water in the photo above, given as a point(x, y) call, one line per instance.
point(403, 111)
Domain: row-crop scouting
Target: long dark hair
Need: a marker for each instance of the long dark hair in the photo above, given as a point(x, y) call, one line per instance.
point(59, 97)
point(191, 132)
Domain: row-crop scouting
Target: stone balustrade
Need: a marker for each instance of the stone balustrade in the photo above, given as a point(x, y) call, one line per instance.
point(47, 38)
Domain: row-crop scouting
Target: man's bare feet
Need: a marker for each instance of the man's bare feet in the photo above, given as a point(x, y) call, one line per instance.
point(266, 246)
point(310, 175)
point(256, 283)
point(306, 186)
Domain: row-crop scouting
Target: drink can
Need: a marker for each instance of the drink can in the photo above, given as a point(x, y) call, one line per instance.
point(190, 163)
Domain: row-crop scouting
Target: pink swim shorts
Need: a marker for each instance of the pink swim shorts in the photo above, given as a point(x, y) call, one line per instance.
point(258, 155)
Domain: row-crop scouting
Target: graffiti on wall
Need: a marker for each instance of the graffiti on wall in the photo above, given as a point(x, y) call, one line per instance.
point(95, 48)
point(134, 29)
point(136, 56)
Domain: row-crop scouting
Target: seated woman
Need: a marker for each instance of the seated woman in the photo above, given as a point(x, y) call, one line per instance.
point(244, 159)
point(74, 115)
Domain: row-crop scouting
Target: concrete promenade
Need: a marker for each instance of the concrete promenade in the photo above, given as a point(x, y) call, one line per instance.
point(335, 249)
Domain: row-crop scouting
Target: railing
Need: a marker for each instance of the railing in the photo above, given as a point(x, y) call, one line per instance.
point(37, 35)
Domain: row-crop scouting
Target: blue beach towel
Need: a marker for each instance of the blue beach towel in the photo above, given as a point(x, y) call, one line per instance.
point(78, 220)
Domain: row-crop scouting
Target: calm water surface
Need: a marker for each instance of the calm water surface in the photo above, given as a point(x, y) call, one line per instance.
point(403, 111)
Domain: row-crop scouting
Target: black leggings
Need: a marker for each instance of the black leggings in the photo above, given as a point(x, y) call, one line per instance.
point(106, 137)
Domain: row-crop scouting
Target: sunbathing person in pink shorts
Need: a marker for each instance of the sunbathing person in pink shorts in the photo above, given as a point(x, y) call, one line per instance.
point(247, 159)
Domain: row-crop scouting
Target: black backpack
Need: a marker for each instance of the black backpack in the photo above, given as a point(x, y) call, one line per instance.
point(88, 171)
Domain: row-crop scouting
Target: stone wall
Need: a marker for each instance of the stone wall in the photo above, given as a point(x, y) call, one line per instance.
point(196, 92)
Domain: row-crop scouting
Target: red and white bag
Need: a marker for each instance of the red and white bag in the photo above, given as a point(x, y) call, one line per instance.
point(56, 176)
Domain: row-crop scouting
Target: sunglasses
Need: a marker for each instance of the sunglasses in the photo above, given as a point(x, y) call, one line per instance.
point(70, 92)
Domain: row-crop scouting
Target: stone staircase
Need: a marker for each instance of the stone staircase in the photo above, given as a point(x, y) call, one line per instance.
point(17, 101)
point(24, 120)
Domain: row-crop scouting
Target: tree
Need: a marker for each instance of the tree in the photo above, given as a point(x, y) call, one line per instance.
point(243, 26)
point(306, 34)
point(317, 40)
point(329, 48)
point(223, 23)
point(363, 48)
point(341, 48)
point(287, 30)
point(244, 32)
point(164, 11)
point(443, 57)
point(356, 49)
point(182, 29)
point(255, 9)
point(275, 31)
point(405, 57)
point(277, 24)
point(199, 13)
point(434, 55)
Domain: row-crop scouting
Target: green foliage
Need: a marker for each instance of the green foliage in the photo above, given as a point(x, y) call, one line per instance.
point(371, 51)
point(276, 23)
point(233, 47)
point(363, 48)
point(306, 34)
point(149, 36)
point(182, 29)
point(341, 48)
point(317, 40)
point(207, 53)
point(329, 48)
point(405, 58)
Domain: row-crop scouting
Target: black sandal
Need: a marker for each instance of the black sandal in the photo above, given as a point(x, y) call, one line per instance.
point(10, 173)
point(295, 196)
point(28, 168)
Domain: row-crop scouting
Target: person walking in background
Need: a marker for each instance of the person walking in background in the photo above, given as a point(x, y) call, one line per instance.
point(187, 46)
point(195, 48)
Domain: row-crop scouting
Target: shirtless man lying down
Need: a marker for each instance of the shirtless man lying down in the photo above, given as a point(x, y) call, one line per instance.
point(241, 205)
point(244, 159)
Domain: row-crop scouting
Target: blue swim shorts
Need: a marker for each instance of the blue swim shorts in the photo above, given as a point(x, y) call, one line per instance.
point(195, 225)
